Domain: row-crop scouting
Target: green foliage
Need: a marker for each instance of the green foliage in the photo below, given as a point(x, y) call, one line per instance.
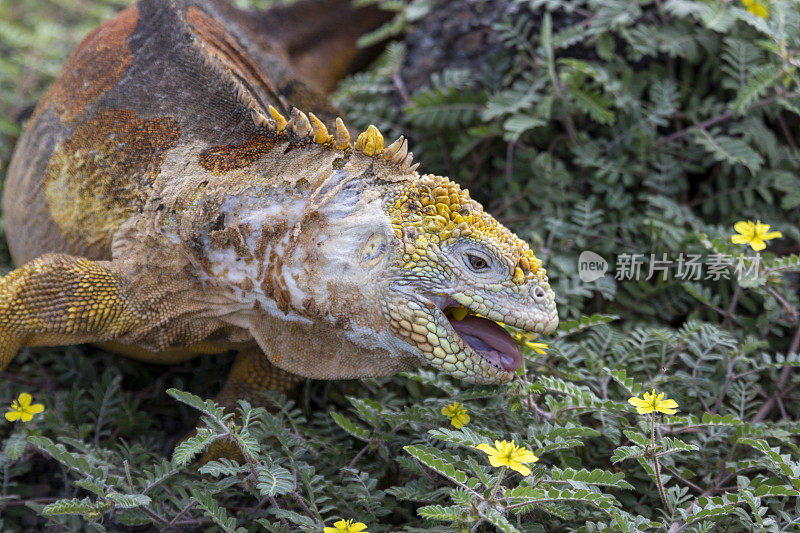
point(218, 514)
point(594, 477)
point(616, 127)
point(273, 480)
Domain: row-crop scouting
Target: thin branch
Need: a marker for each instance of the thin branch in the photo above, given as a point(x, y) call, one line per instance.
point(302, 503)
point(787, 134)
point(566, 118)
point(712, 121)
point(728, 380)
point(181, 514)
point(154, 516)
point(680, 478)
point(510, 162)
point(788, 309)
point(401, 88)
point(784, 377)
point(359, 455)
point(732, 307)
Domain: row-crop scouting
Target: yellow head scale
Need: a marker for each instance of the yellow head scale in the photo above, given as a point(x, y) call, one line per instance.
point(440, 212)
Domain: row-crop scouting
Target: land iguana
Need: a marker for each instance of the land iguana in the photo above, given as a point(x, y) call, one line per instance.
point(185, 187)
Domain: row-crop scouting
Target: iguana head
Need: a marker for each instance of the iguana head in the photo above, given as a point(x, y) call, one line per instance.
point(455, 273)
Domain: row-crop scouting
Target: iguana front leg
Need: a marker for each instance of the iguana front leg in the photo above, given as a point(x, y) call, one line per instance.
point(253, 373)
point(59, 299)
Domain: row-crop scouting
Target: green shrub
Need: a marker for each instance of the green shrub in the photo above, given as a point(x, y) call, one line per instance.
point(638, 128)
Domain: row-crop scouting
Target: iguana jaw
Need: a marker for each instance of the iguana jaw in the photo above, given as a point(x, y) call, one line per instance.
point(421, 323)
point(475, 349)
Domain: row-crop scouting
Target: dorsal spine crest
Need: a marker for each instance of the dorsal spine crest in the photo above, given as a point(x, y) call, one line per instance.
point(299, 123)
point(321, 135)
point(369, 142)
point(280, 120)
point(342, 135)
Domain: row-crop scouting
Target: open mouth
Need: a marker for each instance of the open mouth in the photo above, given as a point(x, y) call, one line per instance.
point(454, 338)
point(486, 338)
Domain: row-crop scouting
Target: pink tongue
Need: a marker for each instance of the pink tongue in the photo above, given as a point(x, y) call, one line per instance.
point(490, 340)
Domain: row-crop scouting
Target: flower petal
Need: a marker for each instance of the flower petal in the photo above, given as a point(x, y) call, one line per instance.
point(669, 404)
point(25, 417)
point(666, 410)
point(637, 402)
point(538, 347)
point(740, 239)
point(745, 228)
point(36, 408)
point(525, 456)
point(330, 530)
point(358, 526)
point(497, 461)
point(757, 244)
point(24, 400)
point(485, 448)
point(645, 410)
point(772, 235)
point(12, 416)
point(522, 469)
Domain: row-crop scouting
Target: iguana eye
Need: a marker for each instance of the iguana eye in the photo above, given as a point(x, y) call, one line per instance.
point(477, 263)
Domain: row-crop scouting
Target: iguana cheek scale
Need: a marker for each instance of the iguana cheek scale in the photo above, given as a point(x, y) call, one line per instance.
point(182, 211)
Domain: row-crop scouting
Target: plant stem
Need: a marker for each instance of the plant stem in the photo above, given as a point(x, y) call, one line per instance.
point(653, 430)
point(497, 485)
point(128, 475)
point(660, 484)
point(656, 465)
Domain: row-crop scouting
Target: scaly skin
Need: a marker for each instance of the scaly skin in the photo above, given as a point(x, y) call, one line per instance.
point(163, 206)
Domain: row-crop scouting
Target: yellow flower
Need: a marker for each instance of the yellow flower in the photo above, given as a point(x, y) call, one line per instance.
point(21, 409)
point(458, 415)
point(538, 347)
point(510, 455)
point(651, 402)
point(346, 526)
point(757, 8)
point(754, 234)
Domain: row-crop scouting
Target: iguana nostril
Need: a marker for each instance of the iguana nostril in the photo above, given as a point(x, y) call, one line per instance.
point(538, 294)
